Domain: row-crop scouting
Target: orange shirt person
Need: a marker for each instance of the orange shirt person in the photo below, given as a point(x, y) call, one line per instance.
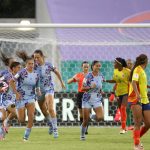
point(79, 79)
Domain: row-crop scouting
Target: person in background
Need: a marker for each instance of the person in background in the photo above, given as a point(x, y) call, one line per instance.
point(79, 79)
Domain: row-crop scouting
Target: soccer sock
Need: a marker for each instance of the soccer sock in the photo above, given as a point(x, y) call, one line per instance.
point(128, 122)
point(123, 116)
point(81, 120)
point(54, 123)
point(83, 130)
point(49, 121)
point(136, 136)
point(27, 133)
point(143, 131)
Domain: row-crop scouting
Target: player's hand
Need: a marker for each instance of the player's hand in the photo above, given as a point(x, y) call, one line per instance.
point(63, 85)
point(138, 97)
point(93, 85)
point(112, 97)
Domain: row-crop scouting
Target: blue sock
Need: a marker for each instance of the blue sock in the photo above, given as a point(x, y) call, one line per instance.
point(27, 133)
point(54, 123)
point(49, 121)
point(83, 130)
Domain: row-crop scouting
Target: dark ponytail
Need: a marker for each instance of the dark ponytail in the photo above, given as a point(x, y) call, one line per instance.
point(140, 60)
point(23, 55)
point(5, 59)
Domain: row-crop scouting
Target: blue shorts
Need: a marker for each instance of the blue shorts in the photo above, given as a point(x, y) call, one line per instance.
point(91, 104)
point(22, 103)
point(145, 107)
point(7, 103)
point(121, 97)
point(42, 97)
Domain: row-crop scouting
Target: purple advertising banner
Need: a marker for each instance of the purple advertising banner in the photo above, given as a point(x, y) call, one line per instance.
point(99, 11)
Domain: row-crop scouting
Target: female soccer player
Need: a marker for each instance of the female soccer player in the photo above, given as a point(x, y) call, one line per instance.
point(138, 100)
point(121, 78)
point(92, 84)
point(8, 97)
point(27, 84)
point(46, 101)
point(128, 110)
point(5, 99)
point(79, 78)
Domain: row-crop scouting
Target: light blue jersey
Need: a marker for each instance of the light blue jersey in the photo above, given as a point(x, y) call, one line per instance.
point(27, 83)
point(93, 97)
point(46, 82)
point(7, 97)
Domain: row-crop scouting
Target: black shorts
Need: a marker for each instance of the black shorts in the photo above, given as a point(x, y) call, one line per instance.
point(79, 99)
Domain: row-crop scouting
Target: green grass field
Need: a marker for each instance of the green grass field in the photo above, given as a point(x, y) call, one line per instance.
point(97, 139)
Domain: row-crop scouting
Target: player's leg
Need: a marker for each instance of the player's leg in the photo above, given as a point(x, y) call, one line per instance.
point(146, 116)
point(123, 100)
point(86, 114)
point(43, 107)
point(30, 113)
point(50, 104)
point(137, 117)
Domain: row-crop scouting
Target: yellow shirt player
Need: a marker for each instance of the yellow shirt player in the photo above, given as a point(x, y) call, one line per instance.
point(140, 77)
point(122, 80)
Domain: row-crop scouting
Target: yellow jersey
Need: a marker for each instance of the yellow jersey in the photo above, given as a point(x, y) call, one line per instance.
point(122, 80)
point(140, 77)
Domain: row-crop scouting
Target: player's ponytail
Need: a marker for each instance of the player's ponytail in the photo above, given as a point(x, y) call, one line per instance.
point(140, 60)
point(6, 60)
point(23, 55)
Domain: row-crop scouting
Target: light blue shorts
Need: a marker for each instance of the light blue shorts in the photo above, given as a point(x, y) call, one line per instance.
point(42, 97)
point(7, 103)
point(91, 104)
point(22, 103)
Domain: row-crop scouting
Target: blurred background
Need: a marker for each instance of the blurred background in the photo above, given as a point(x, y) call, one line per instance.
point(66, 48)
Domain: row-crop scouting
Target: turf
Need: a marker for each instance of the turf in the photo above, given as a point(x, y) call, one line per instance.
point(99, 138)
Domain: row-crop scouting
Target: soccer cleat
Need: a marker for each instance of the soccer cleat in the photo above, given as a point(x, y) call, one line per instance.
point(130, 128)
point(25, 139)
point(55, 133)
point(86, 132)
point(138, 147)
point(123, 131)
point(82, 138)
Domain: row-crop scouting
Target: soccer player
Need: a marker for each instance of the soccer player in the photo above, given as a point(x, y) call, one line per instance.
point(79, 78)
point(128, 110)
point(4, 86)
point(8, 97)
point(138, 100)
point(46, 101)
point(121, 78)
point(92, 98)
point(27, 80)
